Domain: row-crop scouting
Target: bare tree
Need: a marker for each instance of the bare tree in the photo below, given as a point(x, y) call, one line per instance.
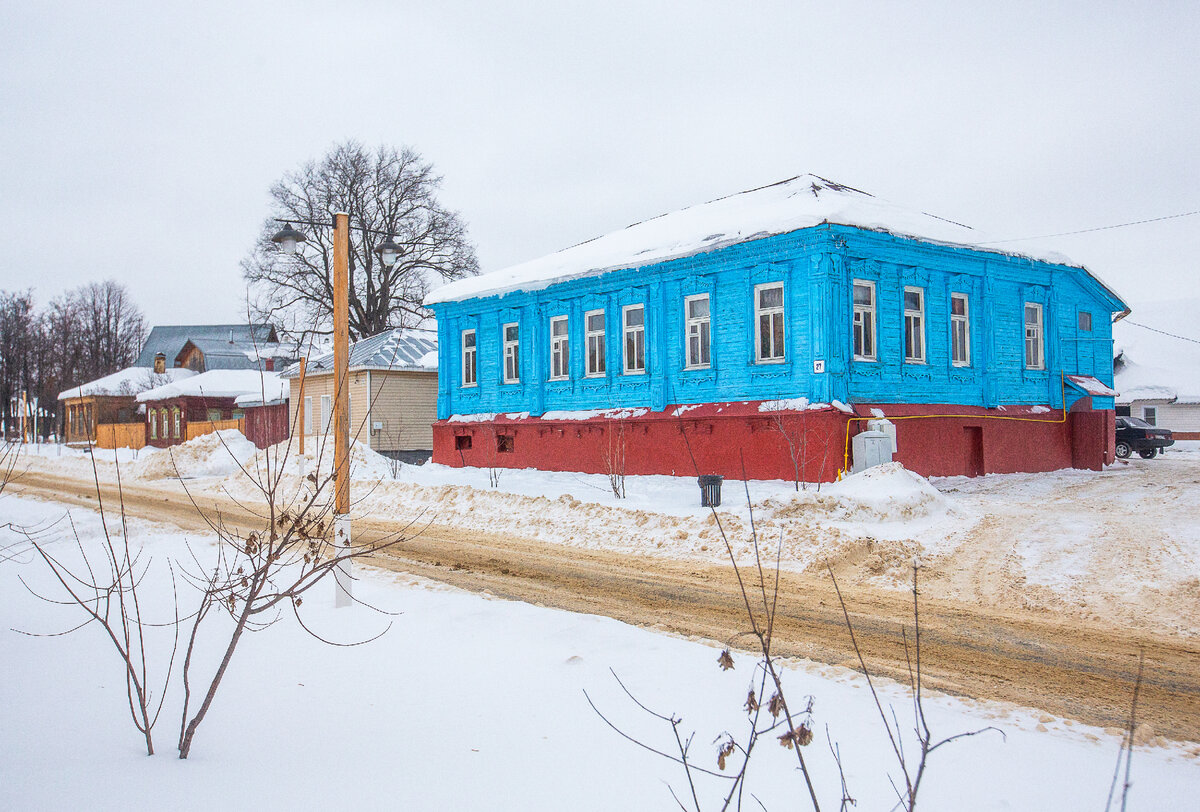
point(387, 191)
point(111, 328)
point(614, 456)
point(261, 573)
point(17, 338)
point(107, 592)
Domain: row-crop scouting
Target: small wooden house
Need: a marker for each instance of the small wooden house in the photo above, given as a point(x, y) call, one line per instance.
point(180, 411)
point(105, 411)
point(207, 347)
point(392, 393)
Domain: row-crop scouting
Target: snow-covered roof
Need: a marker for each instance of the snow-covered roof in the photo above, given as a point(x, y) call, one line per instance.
point(170, 338)
point(1158, 357)
point(128, 381)
point(800, 202)
point(223, 354)
point(402, 349)
point(222, 383)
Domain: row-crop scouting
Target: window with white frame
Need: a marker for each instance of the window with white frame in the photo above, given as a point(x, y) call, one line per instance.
point(914, 325)
point(768, 322)
point(1034, 348)
point(864, 320)
point(512, 353)
point(469, 377)
point(177, 422)
point(560, 349)
point(634, 319)
point(308, 416)
point(152, 416)
point(1150, 415)
point(960, 330)
point(326, 412)
point(593, 328)
point(698, 324)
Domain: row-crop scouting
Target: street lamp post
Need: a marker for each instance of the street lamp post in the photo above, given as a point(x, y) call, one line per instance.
point(288, 239)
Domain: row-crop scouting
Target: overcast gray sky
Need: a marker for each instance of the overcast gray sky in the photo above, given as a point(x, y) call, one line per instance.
point(138, 140)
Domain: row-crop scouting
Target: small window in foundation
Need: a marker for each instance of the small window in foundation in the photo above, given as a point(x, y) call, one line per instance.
point(462, 442)
point(504, 442)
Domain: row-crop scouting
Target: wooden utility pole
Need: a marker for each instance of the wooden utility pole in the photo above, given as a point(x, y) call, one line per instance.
point(341, 362)
point(302, 410)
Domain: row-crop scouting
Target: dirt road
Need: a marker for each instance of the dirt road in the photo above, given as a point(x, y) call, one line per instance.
point(1065, 667)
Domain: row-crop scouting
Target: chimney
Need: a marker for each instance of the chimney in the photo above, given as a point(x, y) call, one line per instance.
point(160, 363)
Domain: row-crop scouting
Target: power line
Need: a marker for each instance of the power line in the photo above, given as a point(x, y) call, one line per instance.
point(1161, 332)
point(1098, 228)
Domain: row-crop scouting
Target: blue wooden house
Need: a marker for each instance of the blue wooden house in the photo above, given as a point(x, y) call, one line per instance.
point(734, 332)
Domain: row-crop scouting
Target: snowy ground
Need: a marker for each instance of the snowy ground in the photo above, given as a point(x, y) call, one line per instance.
point(472, 702)
point(1119, 546)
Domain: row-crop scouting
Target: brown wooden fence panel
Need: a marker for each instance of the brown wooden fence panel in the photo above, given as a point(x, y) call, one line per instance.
point(198, 427)
point(267, 425)
point(121, 435)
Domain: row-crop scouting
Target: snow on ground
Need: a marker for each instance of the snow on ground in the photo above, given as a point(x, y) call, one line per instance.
point(1120, 546)
point(469, 702)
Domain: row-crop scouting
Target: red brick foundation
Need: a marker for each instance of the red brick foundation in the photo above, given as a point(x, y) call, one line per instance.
point(727, 438)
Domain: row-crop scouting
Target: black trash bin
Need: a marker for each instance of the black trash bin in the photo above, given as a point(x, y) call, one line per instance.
point(710, 490)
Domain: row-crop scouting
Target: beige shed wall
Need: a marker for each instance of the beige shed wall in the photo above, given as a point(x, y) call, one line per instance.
point(405, 403)
point(317, 385)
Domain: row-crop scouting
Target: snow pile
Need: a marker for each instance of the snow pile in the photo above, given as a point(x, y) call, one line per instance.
point(217, 453)
point(889, 493)
point(366, 465)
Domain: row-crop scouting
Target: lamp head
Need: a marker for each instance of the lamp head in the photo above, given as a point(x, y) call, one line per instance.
point(288, 238)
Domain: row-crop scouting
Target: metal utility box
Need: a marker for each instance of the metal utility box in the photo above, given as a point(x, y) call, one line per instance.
point(870, 448)
point(887, 427)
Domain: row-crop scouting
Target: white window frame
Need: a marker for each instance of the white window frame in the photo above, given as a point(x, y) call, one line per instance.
point(917, 319)
point(176, 423)
point(960, 321)
point(1034, 333)
point(470, 359)
point(308, 415)
point(863, 321)
point(773, 312)
point(152, 416)
point(560, 349)
point(512, 352)
point(637, 334)
point(1150, 415)
point(597, 361)
point(701, 326)
point(326, 413)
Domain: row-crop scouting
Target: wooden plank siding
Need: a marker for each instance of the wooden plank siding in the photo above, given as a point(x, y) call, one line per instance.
point(199, 427)
point(121, 435)
point(405, 403)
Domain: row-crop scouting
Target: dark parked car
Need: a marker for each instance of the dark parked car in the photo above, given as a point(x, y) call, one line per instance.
point(1135, 434)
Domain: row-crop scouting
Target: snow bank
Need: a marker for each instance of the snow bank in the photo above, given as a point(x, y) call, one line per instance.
point(214, 454)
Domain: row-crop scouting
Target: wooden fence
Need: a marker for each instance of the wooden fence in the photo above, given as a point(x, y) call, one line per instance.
point(199, 427)
point(121, 435)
